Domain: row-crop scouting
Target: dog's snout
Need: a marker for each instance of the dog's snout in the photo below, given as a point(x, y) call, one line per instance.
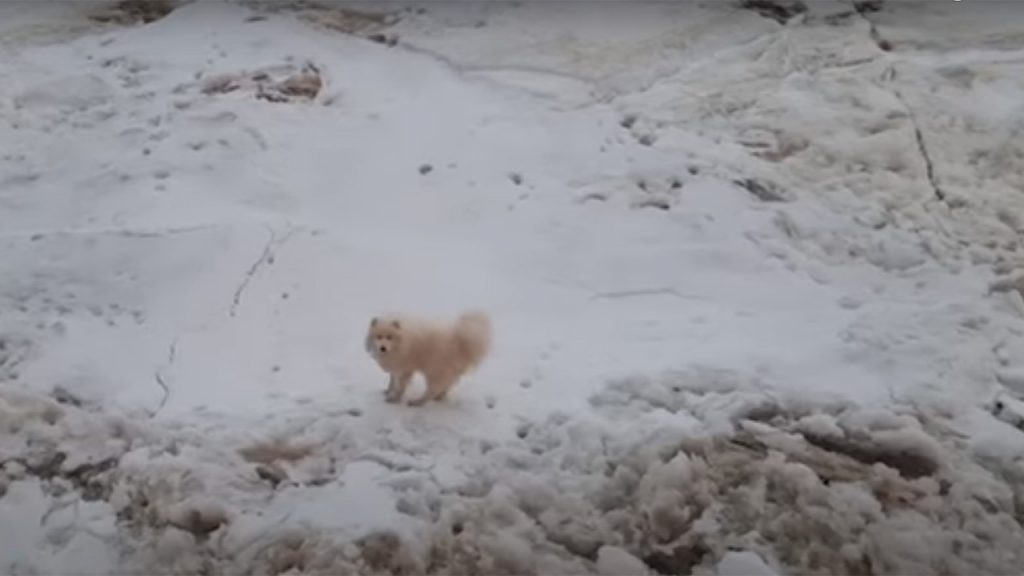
point(382, 348)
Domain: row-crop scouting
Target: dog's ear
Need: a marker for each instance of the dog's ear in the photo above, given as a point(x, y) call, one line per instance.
point(373, 322)
point(396, 324)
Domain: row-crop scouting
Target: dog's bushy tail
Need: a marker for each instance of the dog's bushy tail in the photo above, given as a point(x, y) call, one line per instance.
point(473, 333)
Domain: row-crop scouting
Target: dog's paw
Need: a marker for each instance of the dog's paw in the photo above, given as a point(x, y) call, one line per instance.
point(391, 399)
point(417, 402)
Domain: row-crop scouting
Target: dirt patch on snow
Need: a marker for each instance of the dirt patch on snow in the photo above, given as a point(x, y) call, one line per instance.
point(133, 12)
point(285, 83)
point(333, 16)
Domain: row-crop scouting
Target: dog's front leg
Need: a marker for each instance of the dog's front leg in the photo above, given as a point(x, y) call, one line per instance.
point(399, 382)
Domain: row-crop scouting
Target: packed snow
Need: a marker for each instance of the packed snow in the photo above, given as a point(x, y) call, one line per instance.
point(755, 272)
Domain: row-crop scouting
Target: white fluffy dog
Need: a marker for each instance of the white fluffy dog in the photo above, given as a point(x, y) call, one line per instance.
point(443, 353)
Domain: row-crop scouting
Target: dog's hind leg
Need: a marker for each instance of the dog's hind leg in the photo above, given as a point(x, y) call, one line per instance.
point(443, 393)
point(437, 387)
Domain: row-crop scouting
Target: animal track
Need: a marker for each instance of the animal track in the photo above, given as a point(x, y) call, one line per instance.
point(762, 190)
point(652, 202)
point(51, 309)
point(128, 71)
point(657, 193)
point(661, 191)
point(593, 196)
point(536, 375)
point(640, 130)
point(14, 351)
point(389, 40)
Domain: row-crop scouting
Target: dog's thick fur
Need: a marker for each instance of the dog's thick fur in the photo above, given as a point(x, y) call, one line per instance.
point(443, 353)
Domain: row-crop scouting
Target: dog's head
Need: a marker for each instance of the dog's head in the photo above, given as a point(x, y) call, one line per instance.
point(383, 337)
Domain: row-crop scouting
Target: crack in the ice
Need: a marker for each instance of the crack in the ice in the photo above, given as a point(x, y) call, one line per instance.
point(929, 165)
point(263, 259)
point(602, 93)
point(159, 378)
point(465, 69)
point(266, 257)
point(125, 232)
point(392, 466)
point(862, 8)
point(666, 291)
point(59, 505)
point(922, 147)
point(167, 391)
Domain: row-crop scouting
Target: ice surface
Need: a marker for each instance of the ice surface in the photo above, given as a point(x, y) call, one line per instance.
point(754, 276)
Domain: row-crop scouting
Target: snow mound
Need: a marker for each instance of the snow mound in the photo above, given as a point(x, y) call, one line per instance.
point(835, 489)
point(743, 564)
point(614, 561)
point(73, 92)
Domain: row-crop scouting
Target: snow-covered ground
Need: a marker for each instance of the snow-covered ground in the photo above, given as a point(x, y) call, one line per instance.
point(757, 287)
